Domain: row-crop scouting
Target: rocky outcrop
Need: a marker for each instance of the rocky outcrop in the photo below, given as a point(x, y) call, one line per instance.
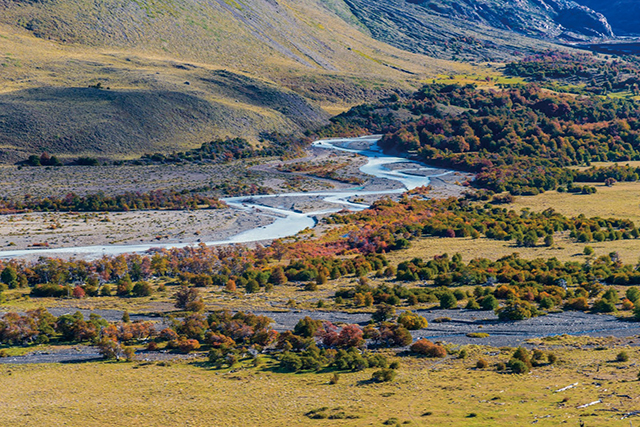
point(559, 19)
point(623, 15)
point(479, 29)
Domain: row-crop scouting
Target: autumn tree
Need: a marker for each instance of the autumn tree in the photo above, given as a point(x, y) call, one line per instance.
point(189, 299)
point(412, 321)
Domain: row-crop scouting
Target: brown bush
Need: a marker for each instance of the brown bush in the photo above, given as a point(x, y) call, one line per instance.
point(188, 345)
point(427, 348)
point(580, 304)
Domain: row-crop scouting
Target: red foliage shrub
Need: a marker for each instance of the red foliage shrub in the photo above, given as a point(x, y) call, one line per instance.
point(427, 348)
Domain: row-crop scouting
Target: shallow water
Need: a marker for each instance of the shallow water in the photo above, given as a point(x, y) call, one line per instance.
point(287, 222)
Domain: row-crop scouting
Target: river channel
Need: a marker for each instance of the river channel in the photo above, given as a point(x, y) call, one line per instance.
point(287, 222)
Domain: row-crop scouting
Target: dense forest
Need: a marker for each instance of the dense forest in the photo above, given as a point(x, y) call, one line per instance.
point(519, 139)
point(588, 73)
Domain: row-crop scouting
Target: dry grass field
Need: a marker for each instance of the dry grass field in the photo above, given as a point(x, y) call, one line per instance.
point(619, 201)
point(564, 249)
point(425, 392)
point(622, 200)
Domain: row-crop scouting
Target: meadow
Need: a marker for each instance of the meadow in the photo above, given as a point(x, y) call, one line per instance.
point(425, 392)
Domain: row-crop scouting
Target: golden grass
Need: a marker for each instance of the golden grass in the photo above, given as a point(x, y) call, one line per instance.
point(564, 249)
point(632, 163)
point(451, 390)
point(619, 201)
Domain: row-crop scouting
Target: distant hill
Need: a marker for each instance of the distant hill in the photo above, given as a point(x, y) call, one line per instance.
point(623, 15)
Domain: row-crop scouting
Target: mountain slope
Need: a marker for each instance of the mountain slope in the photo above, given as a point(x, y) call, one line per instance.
point(181, 72)
point(623, 15)
point(478, 29)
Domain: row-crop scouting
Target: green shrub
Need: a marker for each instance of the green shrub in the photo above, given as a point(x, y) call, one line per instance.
point(604, 306)
point(518, 366)
point(488, 302)
point(384, 375)
point(478, 335)
point(472, 304)
point(522, 355)
point(482, 364)
point(633, 294)
point(517, 310)
point(448, 301)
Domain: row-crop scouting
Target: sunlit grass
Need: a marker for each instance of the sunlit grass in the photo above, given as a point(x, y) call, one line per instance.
point(425, 392)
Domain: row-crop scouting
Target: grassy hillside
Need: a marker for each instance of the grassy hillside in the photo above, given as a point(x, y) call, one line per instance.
point(181, 72)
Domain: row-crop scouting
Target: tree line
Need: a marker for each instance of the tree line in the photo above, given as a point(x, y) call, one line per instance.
point(99, 202)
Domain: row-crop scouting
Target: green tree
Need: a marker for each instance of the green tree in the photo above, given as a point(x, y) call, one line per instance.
point(124, 286)
point(142, 289)
point(516, 310)
point(383, 313)
point(548, 240)
point(252, 286)
point(633, 294)
point(9, 276)
point(489, 302)
point(448, 300)
point(307, 327)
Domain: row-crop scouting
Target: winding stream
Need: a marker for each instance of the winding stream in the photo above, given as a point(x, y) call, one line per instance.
point(287, 222)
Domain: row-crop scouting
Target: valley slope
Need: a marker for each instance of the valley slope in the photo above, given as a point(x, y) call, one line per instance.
point(120, 78)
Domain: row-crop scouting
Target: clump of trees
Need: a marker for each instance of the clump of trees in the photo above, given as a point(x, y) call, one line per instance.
point(43, 160)
point(518, 140)
point(99, 202)
point(225, 150)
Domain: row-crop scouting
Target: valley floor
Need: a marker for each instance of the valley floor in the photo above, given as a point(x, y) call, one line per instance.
point(68, 230)
point(449, 391)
